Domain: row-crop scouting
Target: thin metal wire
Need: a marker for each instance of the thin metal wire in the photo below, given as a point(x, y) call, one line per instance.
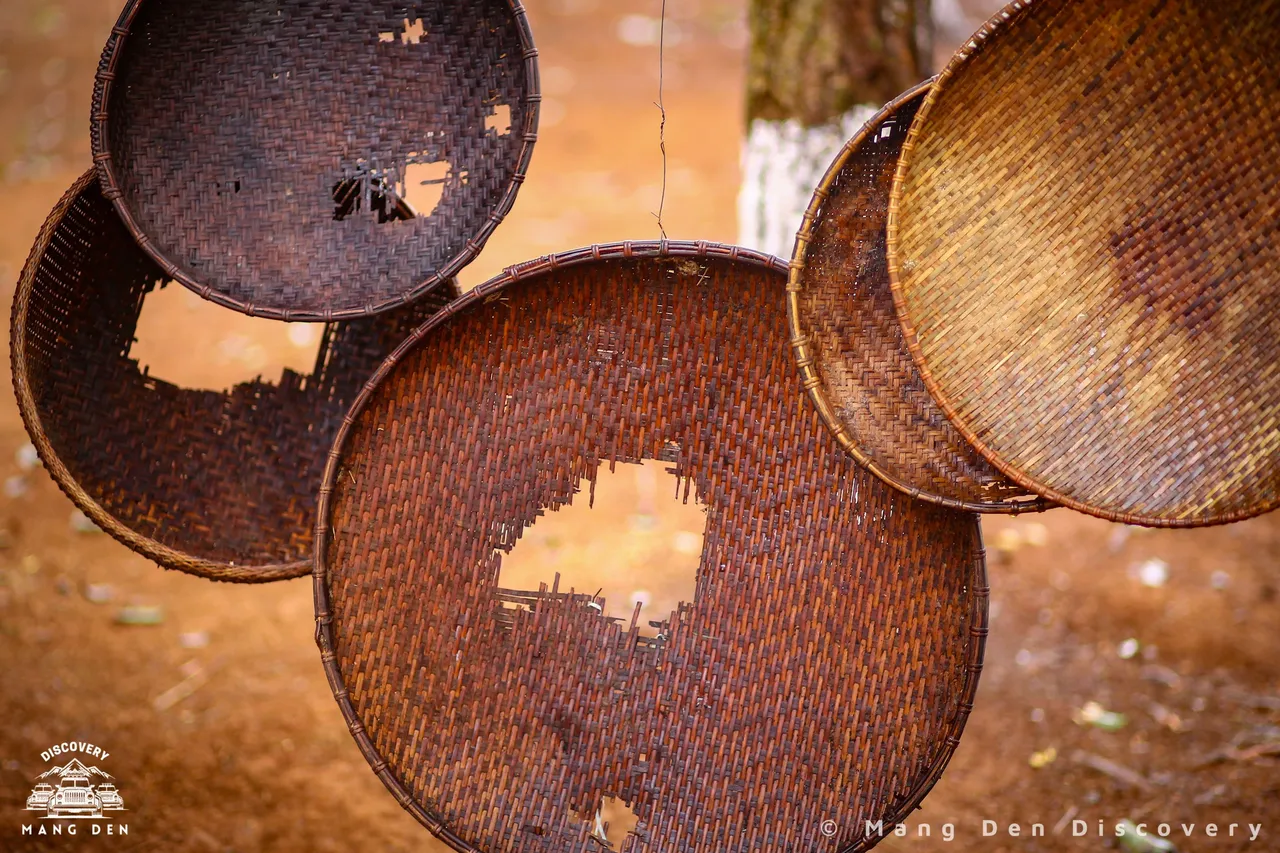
point(662, 124)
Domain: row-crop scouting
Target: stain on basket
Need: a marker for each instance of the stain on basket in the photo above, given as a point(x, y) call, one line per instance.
point(1158, 255)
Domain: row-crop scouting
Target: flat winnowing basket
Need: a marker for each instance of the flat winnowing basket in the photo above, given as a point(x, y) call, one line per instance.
point(819, 678)
point(221, 485)
point(1083, 252)
point(849, 344)
point(315, 159)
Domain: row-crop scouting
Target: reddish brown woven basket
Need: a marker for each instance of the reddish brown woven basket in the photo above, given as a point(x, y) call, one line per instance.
point(1084, 254)
point(820, 678)
point(221, 485)
point(315, 159)
point(849, 345)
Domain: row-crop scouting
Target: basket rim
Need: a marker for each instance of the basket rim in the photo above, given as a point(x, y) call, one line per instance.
point(105, 164)
point(977, 587)
point(986, 38)
point(801, 340)
point(148, 547)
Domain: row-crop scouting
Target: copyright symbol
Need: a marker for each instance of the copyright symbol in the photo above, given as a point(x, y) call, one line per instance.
point(829, 828)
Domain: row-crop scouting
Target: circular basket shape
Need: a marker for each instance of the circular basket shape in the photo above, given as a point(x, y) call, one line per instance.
point(849, 344)
point(1083, 254)
point(820, 677)
point(315, 159)
point(221, 485)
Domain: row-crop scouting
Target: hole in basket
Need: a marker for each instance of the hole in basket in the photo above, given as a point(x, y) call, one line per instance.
point(370, 192)
point(413, 32)
point(192, 343)
point(640, 543)
point(499, 119)
point(611, 824)
point(424, 186)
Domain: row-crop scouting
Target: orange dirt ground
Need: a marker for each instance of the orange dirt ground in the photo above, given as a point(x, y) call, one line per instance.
point(257, 758)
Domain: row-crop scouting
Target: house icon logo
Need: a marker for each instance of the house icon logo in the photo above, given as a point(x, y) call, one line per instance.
point(73, 791)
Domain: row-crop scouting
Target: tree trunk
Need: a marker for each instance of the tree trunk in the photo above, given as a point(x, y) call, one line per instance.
point(817, 70)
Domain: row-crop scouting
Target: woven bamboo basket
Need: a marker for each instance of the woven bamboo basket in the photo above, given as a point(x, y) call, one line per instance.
point(315, 159)
point(820, 677)
point(1083, 253)
point(220, 485)
point(849, 345)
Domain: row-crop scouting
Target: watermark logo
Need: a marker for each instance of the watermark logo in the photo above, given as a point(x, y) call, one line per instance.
point(73, 790)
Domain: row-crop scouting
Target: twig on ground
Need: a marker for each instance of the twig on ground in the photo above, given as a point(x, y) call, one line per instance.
point(1065, 820)
point(1119, 772)
point(1235, 753)
point(1253, 700)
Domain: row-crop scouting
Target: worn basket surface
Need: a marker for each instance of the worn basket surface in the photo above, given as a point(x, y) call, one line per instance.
point(1083, 253)
point(221, 485)
point(315, 159)
point(853, 358)
point(824, 670)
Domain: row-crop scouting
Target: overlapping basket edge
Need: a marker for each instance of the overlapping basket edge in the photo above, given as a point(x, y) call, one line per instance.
point(801, 340)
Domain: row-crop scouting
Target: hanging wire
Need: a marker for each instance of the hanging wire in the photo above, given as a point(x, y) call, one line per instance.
point(662, 124)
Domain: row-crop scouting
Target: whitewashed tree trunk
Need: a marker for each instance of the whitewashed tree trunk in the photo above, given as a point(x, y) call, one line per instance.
point(952, 22)
point(782, 163)
point(818, 70)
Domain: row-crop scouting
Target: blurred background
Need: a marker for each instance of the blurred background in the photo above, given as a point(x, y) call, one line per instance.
point(1131, 674)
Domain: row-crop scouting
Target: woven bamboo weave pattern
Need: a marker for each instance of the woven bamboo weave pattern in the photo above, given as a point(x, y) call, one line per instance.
point(221, 485)
point(824, 669)
point(315, 159)
point(849, 343)
point(1084, 255)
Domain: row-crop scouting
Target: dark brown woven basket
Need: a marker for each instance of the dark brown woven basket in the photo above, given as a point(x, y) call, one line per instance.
point(315, 159)
point(221, 485)
point(1084, 253)
point(849, 345)
point(820, 678)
